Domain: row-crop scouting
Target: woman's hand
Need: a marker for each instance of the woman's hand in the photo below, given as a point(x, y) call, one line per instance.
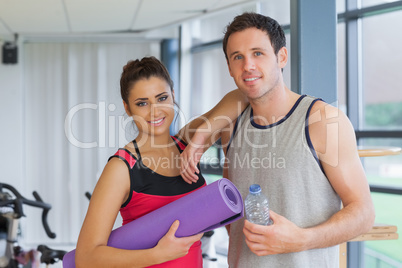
point(171, 247)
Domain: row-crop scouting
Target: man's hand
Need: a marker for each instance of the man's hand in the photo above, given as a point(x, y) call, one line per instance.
point(190, 157)
point(281, 237)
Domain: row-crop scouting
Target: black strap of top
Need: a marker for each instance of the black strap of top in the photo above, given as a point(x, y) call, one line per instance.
point(175, 140)
point(137, 150)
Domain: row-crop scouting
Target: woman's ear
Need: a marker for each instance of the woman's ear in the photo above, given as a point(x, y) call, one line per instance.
point(127, 108)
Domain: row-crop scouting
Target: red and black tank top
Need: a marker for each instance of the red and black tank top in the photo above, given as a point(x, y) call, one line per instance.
point(150, 190)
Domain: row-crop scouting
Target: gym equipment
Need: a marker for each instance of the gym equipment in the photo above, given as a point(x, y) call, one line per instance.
point(11, 210)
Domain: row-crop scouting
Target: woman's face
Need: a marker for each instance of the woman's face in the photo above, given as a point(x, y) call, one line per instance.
point(150, 104)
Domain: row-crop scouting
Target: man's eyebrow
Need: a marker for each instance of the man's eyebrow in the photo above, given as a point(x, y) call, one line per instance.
point(236, 52)
point(253, 49)
point(258, 48)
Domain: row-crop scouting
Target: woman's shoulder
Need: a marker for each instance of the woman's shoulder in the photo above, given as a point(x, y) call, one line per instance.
point(115, 172)
point(179, 141)
point(125, 155)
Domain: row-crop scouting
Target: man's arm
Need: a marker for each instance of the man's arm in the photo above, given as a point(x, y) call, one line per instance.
point(225, 138)
point(210, 123)
point(207, 130)
point(334, 140)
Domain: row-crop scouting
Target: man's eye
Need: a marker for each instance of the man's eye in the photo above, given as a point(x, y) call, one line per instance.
point(258, 53)
point(237, 57)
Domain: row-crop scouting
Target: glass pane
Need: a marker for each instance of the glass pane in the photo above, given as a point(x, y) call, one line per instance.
point(382, 80)
point(385, 253)
point(383, 170)
point(278, 10)
point(210, 80)
point(366, 3)
point(340, 6)
point(211, 157)
point(286, 70)
point(341, 67)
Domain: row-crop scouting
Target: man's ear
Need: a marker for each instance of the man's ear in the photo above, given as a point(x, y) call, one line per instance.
point(282, 57)
point(127, 108)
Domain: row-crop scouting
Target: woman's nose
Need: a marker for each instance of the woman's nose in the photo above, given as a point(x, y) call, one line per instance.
point(155, 110)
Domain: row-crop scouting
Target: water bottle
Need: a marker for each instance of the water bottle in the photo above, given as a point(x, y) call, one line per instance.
point(257, 208)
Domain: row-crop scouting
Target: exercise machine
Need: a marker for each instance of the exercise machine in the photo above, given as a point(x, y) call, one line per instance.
point(11, 211)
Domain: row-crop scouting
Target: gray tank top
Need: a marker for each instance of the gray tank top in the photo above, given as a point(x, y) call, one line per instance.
point(280, 157)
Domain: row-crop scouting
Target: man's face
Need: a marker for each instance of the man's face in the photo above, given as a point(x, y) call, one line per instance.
point(253, 64)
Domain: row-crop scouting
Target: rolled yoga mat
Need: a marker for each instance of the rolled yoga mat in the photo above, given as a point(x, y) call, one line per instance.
point(205, 209)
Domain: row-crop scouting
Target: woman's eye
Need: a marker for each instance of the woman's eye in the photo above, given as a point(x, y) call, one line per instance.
point(140, 104)
point(162, 98)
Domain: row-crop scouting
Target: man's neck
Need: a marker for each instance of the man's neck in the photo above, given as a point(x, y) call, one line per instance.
point(273, 106)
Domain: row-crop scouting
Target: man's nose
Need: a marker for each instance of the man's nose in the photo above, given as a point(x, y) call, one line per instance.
point(249, 64)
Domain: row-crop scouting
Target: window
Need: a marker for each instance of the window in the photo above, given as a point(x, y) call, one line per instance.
point(372, 58)
point(382, 107)
point(210, 80)
point(367, 3)
point(341, 67)
point(368, 85)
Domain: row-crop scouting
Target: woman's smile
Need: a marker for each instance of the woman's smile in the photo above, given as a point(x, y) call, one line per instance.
point(157, 122)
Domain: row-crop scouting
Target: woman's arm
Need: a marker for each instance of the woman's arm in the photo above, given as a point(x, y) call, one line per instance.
point(110, 192)
point(205, 130)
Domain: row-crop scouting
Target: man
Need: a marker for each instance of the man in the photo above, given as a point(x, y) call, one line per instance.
point(301, 151)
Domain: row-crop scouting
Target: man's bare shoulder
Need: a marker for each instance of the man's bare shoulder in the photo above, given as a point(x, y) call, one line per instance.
point(322, 113)
point(327, 126)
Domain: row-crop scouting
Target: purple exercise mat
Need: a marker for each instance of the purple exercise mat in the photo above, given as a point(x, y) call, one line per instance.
point(208, 208)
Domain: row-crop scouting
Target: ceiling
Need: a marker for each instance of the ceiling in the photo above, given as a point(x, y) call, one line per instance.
point(91, 17)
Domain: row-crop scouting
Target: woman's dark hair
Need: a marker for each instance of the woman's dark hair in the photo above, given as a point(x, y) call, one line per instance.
point(145, 68)
point(254, 20)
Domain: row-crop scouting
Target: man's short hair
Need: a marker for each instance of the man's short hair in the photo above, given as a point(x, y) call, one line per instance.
point(254, 20)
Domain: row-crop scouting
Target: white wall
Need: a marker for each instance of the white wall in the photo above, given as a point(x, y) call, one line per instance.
point(24, 160)
point(11, 123)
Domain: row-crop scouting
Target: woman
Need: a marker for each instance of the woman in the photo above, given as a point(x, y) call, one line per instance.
point(145, 174)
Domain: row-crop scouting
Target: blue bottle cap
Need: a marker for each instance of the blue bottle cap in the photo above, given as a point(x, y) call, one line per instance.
point(255, 189)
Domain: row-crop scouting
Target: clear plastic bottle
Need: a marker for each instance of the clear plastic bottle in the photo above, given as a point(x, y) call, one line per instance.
point(257, 207)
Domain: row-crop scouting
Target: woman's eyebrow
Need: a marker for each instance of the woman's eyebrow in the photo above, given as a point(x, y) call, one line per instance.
point(160, 94)
point(142, 99)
